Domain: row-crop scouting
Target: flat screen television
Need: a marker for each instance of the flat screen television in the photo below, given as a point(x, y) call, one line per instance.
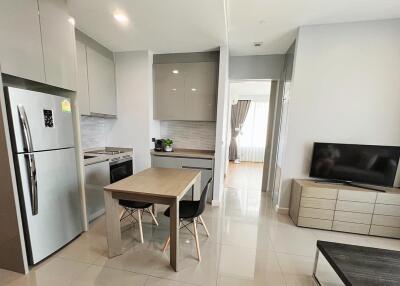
point(365, 164)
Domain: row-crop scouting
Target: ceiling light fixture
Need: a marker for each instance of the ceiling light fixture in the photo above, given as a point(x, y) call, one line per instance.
point(193, 89)
point(121, 18)
point(175, 71)
point(257, 44)
point(71, 21)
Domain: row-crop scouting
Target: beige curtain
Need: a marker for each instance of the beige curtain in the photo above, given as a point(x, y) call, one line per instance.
point(239, 113)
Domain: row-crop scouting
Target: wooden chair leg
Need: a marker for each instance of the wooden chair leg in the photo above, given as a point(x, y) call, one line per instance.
point(197, 238)
point(166, 244)
point(204, 225)
point(152, 215)
point(154, 209)
point(140, 226)
point(122, 214)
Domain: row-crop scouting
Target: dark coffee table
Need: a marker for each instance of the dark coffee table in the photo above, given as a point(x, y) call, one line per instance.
point(359, 265)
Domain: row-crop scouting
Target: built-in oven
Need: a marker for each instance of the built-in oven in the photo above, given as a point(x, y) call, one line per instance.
point(120, 168)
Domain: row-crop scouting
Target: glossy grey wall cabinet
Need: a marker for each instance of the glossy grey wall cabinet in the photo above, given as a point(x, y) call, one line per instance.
point(38, 41)
point(185, 91)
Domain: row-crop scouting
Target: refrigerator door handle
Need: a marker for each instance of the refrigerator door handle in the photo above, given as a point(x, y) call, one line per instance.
point(33, 190)
point(25, 128)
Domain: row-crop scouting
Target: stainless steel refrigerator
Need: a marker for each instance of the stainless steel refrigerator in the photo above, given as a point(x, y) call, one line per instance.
point(44, 157)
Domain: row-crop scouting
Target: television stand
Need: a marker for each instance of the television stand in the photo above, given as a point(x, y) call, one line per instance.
point(351, 184)
point(346, 207)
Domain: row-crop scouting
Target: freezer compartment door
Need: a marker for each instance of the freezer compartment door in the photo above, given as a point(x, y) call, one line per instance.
point(39, 121)
point(58, 218)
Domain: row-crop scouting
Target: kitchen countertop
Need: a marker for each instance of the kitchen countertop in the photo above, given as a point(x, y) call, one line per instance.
point(187, 153)
point(97, 158)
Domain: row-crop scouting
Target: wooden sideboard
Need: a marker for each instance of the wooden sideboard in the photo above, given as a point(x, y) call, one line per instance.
point(345, 208)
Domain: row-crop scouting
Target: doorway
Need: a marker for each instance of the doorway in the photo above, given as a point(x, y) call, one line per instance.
point(249, 124)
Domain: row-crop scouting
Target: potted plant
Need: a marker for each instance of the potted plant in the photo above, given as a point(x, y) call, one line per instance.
point(168, 145)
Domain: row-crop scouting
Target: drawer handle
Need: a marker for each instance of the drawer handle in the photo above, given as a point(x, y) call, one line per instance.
point(197, 168)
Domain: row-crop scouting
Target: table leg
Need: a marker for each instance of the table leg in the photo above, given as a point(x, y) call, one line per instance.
point(316, 281)
point(174, 233)
point(113, 225)
point(197, 189)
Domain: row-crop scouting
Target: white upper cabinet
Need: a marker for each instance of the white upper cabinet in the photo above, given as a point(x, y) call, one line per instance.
point(21, 46)
point(82, 88)
point(58, 38)
point(101, 76)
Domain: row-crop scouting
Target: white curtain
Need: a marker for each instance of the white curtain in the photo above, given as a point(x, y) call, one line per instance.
point(253, 135)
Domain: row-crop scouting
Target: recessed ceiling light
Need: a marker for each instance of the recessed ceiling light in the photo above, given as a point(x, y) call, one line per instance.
point(175, 71)
point(121, 18)
point(193, 89)
point(71, 21)
point(174, 89)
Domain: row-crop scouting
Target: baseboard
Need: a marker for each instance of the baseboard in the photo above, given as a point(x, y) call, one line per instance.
point(215, 203)
point(280, 210)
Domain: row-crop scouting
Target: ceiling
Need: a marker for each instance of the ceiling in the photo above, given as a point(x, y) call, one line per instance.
point(173, 26)
point(275, 22)
point(162, 26)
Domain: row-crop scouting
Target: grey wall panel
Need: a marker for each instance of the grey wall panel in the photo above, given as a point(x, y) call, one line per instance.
point(256, 67)
point(186, 58)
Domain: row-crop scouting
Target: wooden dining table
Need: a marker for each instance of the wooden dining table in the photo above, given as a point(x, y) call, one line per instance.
point(154, 185)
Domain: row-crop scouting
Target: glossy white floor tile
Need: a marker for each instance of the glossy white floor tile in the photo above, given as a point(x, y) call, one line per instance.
point(250, 245)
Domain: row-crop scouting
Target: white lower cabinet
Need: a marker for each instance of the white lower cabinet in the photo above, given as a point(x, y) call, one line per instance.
point(351, 227)
point(316, 213)
point(315, 223)
point(353, 210)
point(353, 217)
point(385, 231)
point(205, 166)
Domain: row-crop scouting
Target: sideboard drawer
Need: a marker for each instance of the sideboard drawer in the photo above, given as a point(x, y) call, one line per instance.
point(353, 217)
point(385, 231)
point(357, 196)
point(318, 203)
point(316, 213)
point(350, 227)
point(355, 207)
point(322, 193)
point(391, 210)
point(384, 220)
point(390, 199)
point(315, 223)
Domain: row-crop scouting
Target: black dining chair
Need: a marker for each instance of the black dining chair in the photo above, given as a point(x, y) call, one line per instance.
point(131, 207)
point(190, 213)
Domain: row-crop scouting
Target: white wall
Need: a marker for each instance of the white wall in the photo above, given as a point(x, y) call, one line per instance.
point(222, 122)
point(346, 89)
point(134, 126)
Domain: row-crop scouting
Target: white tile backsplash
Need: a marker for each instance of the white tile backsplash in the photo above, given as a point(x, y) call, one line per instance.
point(94, 131)
point(190, 134)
